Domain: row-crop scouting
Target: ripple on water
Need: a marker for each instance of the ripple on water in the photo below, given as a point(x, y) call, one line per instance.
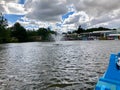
point(74, 65)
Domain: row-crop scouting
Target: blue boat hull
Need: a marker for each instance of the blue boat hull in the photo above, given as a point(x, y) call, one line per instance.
point(111, 78)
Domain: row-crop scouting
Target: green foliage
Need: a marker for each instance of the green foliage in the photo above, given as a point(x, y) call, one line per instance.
point(81, 30)
point(19, 32)
point(42, 34)
point(69, 32)
point(3, 21)
point(32, 33)
point(13, 39)
point(97, 29)
point(4, 33)
point(45, 33)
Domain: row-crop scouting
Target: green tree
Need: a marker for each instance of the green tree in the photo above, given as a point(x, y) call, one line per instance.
point(19, 32)
point(32, 35)
point(4, 32)
point(44, 33)
point(4, 35)
point(3, 21)
point(79, 30)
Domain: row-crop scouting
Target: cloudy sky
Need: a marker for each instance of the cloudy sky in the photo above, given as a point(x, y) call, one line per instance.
point(62, 15)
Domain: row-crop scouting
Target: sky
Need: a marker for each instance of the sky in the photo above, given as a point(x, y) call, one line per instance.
point(63, 15)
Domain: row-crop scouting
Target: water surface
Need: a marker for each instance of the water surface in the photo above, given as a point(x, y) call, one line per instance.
point(66, 65)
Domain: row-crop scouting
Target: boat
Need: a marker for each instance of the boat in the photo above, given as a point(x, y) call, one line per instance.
point(111, 78)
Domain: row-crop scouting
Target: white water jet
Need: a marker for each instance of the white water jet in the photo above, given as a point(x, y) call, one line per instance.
point(57, 38)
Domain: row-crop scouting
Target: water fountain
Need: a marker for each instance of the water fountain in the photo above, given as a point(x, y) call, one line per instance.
point(57, 38)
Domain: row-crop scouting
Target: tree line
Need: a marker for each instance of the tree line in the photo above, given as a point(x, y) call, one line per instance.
point(82, 30)
point(17, 33)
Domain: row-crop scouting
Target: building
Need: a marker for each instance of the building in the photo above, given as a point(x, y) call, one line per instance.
point(97, 34)
point(114, 37)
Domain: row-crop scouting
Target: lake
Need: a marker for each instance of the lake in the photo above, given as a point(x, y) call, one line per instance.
point(64, 65)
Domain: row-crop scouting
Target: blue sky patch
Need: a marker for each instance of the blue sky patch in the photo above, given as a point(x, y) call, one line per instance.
point(67, 15)
point(21, 1)
point(12, 17)
point(31, 26)
point(58, 24)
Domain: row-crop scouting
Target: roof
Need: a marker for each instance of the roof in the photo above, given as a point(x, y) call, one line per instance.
point(102, 31)
point(114, 34)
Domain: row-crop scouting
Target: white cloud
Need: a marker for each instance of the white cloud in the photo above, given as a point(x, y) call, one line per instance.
point(68, 27)
point(11, 7)
point(77, 17)
point(1, 8)
point(103, 11)
point(88, 13)
point(95, 7)
point(13, 10)
point(45, 10)
point(7, 1)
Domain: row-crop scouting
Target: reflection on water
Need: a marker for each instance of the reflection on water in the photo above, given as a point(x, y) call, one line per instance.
point(71, 65)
